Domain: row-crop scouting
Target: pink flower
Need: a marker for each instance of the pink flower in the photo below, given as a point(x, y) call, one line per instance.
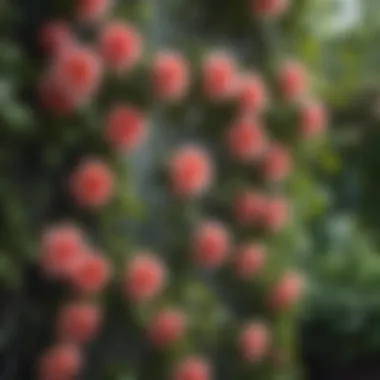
point(61, 248)
point(77, 72)
point(144, 278)
point(254, 341)
point(62, 361)
point(121, 46)
point(92, 10)
point(269, 8)
point(250, 258)
point(287, 291)
point(92, 183)
point(125, 128)
point(245, 140)
point(292, 80)
point(78, 322)
point(211, 244)
point(249, 208)
point(192, 368)
point(252, 94)
point(190, 171)
point(312, 119)
point(170, 76)
point(167, 327)
point(91, 274)
point(277, 163)
point(219, 76)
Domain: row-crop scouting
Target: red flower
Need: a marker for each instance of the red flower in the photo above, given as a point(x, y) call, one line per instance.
point(145, 277)
point(190, 171)
point(192, 368)
point(250, 258)
point(61, 248)
point(120, 46)
point(211, 244)
point(78, 322)
point(287, 291)
point(125, 128)
point(249, 208)
point(170, 76)
point(292, 81)
point(219, 76)
point(91, 274)
point(252, 94)
point(277, 163)
point(92, 10)
point(62, 361)
point(254, 342)
point(77, 72)
point(167, 327)
point(313, 119)
point(276, 214)
point(92, 183)
point(54, 36)
point(245, 140)
point(269, 8)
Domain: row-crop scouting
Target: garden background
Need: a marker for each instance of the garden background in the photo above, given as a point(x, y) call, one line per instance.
point(330, 235)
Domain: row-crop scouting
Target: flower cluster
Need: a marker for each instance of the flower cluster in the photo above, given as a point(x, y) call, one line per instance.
point(193, 173)
point(66, 256)
point(72, 79)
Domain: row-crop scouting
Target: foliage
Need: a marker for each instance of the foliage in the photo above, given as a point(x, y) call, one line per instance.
point(341, 318)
